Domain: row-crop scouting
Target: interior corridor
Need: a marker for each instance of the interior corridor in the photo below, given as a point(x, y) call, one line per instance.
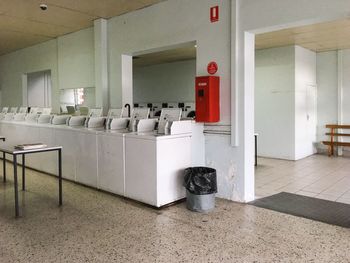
point(316, 176)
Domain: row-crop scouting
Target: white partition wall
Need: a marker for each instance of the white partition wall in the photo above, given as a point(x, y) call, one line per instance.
point(286, 102)
point(274, 101)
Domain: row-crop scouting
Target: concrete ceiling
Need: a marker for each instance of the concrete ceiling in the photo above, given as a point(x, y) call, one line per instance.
point(166, 56)
point(23, 23)
point(321, 37)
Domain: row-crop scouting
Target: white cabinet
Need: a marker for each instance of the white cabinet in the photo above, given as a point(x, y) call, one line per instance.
point(67, 138)
point(48, 160)
point(111, 163)
point(14, 133)
point(7, 129)
point(25, 134)
point(141, 170)
point(86, 158)
point(144, 167)
point(154, 167)
point(11, 132)
point(30, 134)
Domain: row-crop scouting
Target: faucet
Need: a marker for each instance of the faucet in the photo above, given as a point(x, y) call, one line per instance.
point(127, 105)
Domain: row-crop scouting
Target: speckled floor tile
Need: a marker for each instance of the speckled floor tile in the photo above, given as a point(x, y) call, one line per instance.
point(97, 227)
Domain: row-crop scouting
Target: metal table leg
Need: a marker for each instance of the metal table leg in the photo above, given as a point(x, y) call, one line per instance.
point(23, 172)
point(60, 176)
point(16, 184)
point(256, 150)
point(4, 166)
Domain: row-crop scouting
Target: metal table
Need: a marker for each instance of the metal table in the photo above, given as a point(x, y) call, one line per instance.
point(3, 158)
point(15, 152)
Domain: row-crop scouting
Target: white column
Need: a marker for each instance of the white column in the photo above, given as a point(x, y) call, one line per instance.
point(127, 80)
point(244, 85)
point(247, 130)
point(101, 64)
point(234, 80)
point(24, 90)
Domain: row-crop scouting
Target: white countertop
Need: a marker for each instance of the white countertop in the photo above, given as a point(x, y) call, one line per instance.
point(102, 131)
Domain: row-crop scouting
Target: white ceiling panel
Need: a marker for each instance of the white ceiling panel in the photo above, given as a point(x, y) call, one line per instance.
point(23, 23)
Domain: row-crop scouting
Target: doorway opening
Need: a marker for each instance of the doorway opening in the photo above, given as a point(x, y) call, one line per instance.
point(164, 78)
point(301, 75)
point(37, 89)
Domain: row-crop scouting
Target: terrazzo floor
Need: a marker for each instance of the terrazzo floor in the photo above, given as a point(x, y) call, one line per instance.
point(96, 227)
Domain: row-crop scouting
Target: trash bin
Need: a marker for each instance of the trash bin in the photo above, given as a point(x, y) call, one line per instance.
point(201, 186)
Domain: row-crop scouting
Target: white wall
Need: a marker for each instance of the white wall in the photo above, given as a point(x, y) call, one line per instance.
point(70, 59)
point(284, 114)
point(167, 24)
point(329, 108)
point(327, 92)
point(14, 65)
point(345, 88)
point(176, 22)
point(333, 71)
point(305, 100)
point(274, 102)
point(76, 58)
point(165, 82)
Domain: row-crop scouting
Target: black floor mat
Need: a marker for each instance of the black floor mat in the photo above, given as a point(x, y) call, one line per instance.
point(329, 212)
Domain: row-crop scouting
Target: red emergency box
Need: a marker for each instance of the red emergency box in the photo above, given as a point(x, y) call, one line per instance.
point(208, 99)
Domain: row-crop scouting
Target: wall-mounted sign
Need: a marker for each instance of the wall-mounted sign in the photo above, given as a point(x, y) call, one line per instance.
point(214, 14)
point(212, 68)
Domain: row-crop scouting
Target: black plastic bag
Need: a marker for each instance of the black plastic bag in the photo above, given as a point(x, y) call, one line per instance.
point(200, 180)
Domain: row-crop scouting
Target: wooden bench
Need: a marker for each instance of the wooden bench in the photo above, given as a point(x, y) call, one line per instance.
point(334, 133)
